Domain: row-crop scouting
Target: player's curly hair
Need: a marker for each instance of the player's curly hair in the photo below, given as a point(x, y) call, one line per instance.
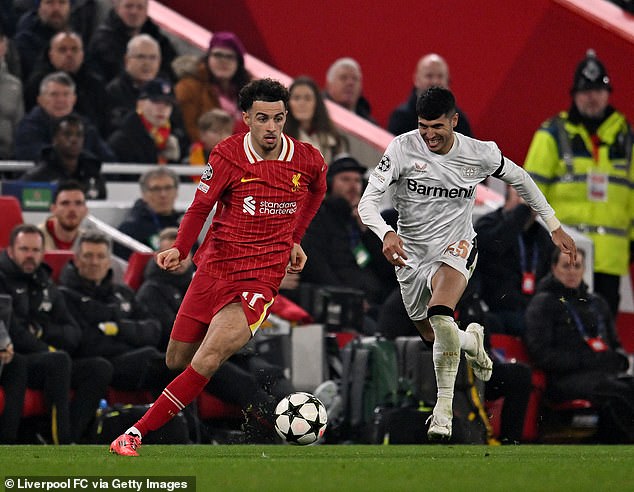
point(267, 90)
point(436, 102)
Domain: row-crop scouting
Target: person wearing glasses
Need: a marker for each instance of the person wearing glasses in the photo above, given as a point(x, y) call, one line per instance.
point(154, 211)
point(215, 83)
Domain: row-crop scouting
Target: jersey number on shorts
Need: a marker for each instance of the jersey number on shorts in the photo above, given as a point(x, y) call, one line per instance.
point(459, 248)
point(252, 298)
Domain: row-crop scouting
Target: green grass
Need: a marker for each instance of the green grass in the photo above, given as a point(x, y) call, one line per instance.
point(345, 468)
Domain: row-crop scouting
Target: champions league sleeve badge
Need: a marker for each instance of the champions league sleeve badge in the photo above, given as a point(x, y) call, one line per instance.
point(384, 164)
point(207, 173)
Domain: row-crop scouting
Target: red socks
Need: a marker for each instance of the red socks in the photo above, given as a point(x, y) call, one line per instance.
point(178, 394)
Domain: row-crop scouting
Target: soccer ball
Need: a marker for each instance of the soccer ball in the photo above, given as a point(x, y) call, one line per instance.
point(300, 418)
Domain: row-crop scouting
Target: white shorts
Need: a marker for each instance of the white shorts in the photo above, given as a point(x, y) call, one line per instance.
point(415, 283)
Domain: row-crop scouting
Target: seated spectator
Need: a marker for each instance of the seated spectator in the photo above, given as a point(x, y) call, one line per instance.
point(570, 335)
point(246, 379)
point(56, 99)
point(213, 127)
point(431, 70)
point(343, 252)
point(66, 54)
point(44, 331)
point(65, 159)
point(514, 255)
point(11, 102)
point(61, 229)
point(220, 74)
point(36, 28)
point(145, 135)
point(126, 19)
point(153, 211)
point(308, 120)
point(113, 325)
point(344, 86)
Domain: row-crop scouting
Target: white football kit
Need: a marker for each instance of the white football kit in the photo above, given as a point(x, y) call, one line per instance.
point(434, 196)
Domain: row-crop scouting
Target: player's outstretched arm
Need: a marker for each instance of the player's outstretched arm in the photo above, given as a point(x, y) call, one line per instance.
point(168, 259)
point(297, 260)
point(565, 243)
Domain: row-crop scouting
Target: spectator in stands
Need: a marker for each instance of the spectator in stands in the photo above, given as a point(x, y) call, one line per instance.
point(570, 335)
point(580, 159)
point(13, 380)
point(431, 70)
point(65, 159)
point(44, 331)
point(36, 28)
point(514, 255)
point(68, 210)
point(213, 127)
point(66, 54)
point(145, 135)
point(11, 102)
point(344, 86)
point(343, 252)
point(57, 98)
point(220, 75)
point(127, 19)
point(153, 211)
point(308, 120)
point(246, 379)
point(113, 325)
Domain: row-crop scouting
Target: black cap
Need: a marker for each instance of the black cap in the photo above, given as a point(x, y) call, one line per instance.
point(342, 163)
point(157, 90)
point(590, 74)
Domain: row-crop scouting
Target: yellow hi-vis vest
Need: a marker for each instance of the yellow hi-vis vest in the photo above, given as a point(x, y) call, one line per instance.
point(596, 196)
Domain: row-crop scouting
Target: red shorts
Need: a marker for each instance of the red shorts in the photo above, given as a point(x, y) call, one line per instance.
point(207, 295)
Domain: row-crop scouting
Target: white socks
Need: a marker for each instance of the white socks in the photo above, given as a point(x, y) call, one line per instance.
point(468, 342)
point(446, 356)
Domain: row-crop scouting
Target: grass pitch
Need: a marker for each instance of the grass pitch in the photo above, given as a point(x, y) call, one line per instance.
point(344, 468)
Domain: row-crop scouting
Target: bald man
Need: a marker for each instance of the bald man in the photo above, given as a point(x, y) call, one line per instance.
point(431, 70)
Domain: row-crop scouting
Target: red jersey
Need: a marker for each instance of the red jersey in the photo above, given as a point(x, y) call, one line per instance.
point(263, 207)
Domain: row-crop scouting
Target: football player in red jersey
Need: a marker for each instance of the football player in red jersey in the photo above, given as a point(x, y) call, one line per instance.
point(266, 187)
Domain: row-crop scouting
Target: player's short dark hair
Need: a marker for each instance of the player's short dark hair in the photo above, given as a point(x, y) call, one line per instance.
point(267, 90)
point(436, 102)
point(24, 229)
point(68, 185)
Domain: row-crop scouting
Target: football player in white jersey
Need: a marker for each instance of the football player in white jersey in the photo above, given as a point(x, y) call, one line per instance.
point(434, 172)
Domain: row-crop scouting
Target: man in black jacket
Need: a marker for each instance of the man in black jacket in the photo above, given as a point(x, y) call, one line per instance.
point(514, 255)
point(113, 325)
point(126, 19)
point(343, 252)
point(570, 335)
point(153, 211)
point(43, 330)
point(66, 159)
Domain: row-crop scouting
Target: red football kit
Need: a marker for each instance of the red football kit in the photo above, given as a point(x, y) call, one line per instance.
point(262, 208)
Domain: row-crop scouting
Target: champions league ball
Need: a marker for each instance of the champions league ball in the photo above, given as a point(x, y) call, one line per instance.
point(300, 418)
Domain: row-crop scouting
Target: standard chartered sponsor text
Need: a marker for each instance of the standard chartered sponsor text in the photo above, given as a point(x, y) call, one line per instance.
point(277, 208)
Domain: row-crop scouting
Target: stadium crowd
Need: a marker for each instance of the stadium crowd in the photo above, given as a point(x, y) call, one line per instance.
point(82, 84)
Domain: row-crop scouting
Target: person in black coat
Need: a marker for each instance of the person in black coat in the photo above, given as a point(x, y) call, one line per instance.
point(342, 251)
point(152, 212)
point(431, 70)
point(43, 330)
point(571, 336)
point(66, 54)
point(113, 325)
point(108, 44)
point(514, 253)
point(66, 159)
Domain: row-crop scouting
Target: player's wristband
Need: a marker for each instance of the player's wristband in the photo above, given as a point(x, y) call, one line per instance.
point(552, 223)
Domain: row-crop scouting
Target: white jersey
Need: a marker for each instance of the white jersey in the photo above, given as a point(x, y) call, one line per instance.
point(435, 194)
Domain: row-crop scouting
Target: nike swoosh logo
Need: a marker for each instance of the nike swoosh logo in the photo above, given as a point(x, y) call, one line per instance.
point(246, 180)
